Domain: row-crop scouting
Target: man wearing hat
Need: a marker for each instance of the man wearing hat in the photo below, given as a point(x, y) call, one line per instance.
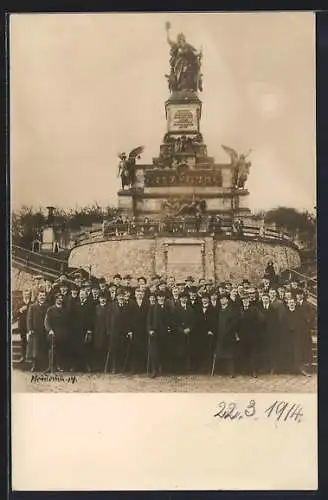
point(37, 334)
point(271, 335)
point(222, 288)
point(78, 279)
point(296, 346)
point(162, 287)
point(205, 333)
point(194, 301)
point(117, 279)
point(95, 293)
point(142, 284)
point(127, 283)
point(100, 339)
point(278, 305)
point(103, 288)
point(50, 292)
point(227, 337)
point(184, 321)
point(189, 282)
point(307, 323)
point(82, 322)
point(20, 315)
point(72, 306)
point(112, 291)
point(181, 287)
point(249, 332)
point(266, 283)
point(158, 327)
point(56, 325)
point(174, 301)
point(170, 282)
point(120, 332)
point(214, 300)
point(138, 312)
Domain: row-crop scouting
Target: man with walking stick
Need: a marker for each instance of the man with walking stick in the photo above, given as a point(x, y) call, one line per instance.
point(158, 326)
point(227, 337)
point(56, 325)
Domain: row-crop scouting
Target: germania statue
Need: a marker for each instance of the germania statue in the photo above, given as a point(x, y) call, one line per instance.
point(185, 64)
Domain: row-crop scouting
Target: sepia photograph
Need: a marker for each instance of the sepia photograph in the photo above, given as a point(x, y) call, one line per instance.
point(163, 251)
point(163, 202)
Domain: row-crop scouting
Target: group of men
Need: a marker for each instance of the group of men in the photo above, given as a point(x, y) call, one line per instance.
point(160, 326)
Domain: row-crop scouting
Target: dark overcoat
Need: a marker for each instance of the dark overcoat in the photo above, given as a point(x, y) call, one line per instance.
point(272, 350)
point(101, 328)
point(56, 319)
point(226, 339)
point(38, 343)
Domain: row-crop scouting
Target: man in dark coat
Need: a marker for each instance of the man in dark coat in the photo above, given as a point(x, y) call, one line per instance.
point(112, 290)
point(95, 293)
point(298, 337)
point(37, 334)
point(82, 323)
point(271, 348)
point(278, 306)
point(173, 304)
point(186, 342)
point(103, 288)
point(158, 327)
point(138, 312)
point(127, 284)
point(56, 325)
point(119, 332)
point(205, 333)
point(309, 318)
point(174, 300)
point(194, 300)
point(100, 340)
point(249, 333)
point(227, 338)
point(50, 293)
point(20, 315)
point(215, 303)
point(63, 288)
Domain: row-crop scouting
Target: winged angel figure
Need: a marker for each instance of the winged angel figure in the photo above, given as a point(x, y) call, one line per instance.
point(241, 166)
point(126, 166)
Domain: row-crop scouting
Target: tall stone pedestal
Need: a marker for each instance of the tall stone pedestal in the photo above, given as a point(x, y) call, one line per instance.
point(183, 175)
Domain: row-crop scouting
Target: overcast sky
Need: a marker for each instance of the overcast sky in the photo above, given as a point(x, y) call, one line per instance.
point(84, 87)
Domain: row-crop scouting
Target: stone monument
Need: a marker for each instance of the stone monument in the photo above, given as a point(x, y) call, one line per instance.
point(183, 175)
point(172, 209)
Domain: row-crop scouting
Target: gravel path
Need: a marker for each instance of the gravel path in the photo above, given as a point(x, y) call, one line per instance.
point(27, 382)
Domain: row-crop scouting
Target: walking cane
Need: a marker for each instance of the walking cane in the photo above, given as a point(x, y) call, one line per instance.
point(213, 365)
point(107, 362)
point(209, 352)
point(127, 355)
point(188, 352)
point(51, 361)
point(148, 358)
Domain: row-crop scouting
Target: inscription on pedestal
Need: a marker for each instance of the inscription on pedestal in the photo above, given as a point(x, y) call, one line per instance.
point(190, 178)
point(183, 118)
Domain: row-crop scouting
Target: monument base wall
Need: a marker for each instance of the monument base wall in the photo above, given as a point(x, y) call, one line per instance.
point(202, 257)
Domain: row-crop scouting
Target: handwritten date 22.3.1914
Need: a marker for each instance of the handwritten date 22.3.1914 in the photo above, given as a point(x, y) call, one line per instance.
point(280, 411)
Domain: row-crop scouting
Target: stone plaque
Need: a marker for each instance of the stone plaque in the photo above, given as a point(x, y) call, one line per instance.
point(158, 178)
point(184, 254)
point(182, 118)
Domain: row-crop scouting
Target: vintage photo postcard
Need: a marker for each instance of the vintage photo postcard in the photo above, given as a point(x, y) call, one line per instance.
point(163, 251)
